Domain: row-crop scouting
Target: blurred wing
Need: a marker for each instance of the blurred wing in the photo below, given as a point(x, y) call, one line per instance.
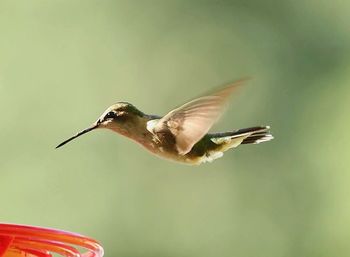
point(191, 121)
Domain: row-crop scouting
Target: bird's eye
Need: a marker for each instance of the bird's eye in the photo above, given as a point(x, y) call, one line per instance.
point(110, 115)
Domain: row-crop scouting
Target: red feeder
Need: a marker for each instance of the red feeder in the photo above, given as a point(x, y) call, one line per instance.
point(29, 241)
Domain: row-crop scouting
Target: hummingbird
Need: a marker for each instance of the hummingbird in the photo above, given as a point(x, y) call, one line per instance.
point(182, 134)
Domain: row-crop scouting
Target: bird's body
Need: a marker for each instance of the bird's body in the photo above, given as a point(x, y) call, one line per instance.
point(181, 135)
point(207, 149)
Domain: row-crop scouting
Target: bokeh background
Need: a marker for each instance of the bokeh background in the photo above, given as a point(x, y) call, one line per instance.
point(63, 62)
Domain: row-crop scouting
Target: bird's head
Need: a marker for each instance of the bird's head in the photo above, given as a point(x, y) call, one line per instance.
point(118, 115)
point(121, 117)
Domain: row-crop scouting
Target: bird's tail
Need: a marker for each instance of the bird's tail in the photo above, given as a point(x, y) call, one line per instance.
point(256, 135)
point(227, 140)
point(253, 135)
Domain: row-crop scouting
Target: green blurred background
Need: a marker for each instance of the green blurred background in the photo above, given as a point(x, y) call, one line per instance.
point(63, 62)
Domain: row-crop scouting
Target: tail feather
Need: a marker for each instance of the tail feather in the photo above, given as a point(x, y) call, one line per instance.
point(257, 135)
point(227, 140)
point(250, 130)
point(257, 139)
point(252, 135)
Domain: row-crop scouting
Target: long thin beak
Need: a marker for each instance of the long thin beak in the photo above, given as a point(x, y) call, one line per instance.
point(94, 126)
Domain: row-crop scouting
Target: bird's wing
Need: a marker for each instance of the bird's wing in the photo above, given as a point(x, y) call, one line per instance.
point(191, 121)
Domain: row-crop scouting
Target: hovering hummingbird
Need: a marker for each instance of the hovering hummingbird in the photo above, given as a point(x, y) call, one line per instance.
point(182, 134)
